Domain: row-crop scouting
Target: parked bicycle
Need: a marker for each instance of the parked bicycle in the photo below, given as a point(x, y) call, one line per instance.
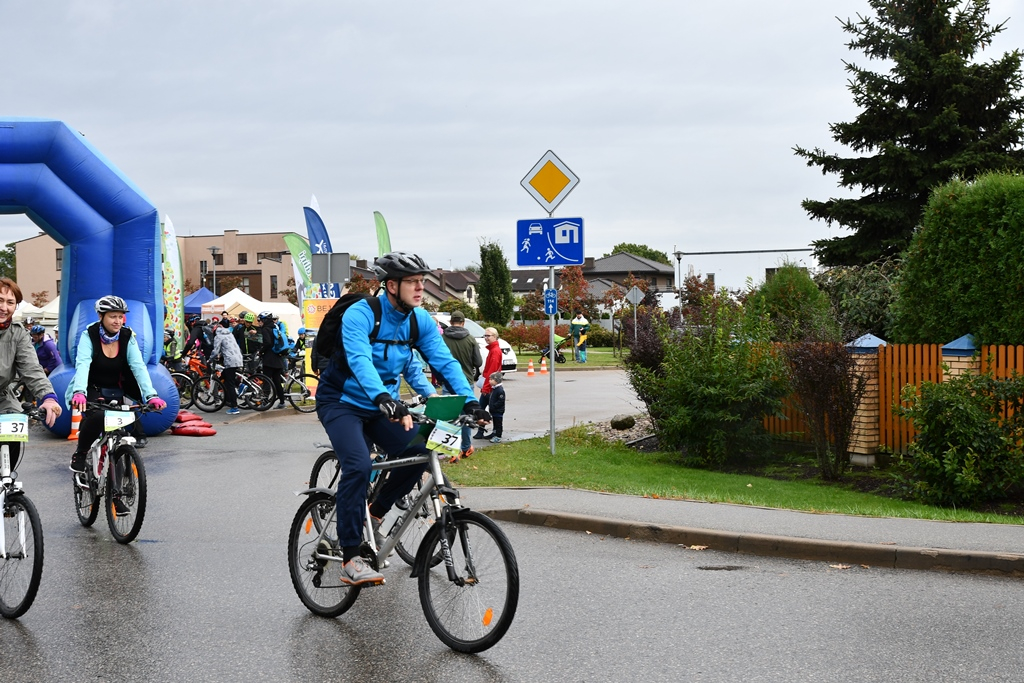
point(185, 386)
point(467, 573)
point(113, 469)
point(21, 533)
point(254, 391)
point(296, 389)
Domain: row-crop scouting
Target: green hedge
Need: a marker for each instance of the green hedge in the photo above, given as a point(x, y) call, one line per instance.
point(964, 270)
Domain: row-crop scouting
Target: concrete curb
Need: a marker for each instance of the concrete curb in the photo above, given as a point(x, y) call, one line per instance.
point(890, 556)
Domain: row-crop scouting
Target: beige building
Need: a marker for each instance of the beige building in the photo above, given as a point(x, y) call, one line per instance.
point(258, 264)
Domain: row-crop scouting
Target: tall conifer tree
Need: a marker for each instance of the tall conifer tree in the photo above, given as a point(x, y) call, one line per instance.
point(494, 291)
point(937, 113)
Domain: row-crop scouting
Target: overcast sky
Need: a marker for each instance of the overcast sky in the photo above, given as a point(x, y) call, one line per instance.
point(678, 116)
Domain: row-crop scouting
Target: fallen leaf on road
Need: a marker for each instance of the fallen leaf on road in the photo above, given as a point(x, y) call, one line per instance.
point(698, 547)
point(587, 533)
point(839, 566)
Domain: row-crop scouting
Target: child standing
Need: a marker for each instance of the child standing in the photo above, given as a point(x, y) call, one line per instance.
point(496, 406)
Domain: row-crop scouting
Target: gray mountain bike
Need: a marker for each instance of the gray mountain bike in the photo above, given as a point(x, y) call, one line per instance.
point(467, 573)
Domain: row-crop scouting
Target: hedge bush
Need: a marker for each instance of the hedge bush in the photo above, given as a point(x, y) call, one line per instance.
point(965, 453)
point(964, 269)
point(709, 385)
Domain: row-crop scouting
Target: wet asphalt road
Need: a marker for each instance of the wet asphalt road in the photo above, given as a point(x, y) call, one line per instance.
point(204, 595)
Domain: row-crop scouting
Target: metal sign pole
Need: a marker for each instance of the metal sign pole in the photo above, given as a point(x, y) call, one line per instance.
point(551, 356)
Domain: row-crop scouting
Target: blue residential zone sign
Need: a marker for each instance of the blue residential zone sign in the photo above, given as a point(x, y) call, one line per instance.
point(550, 302)
point(549, 242)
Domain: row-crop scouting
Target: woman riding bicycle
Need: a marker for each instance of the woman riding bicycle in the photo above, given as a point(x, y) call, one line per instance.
point(18, 359)
point(108, 366)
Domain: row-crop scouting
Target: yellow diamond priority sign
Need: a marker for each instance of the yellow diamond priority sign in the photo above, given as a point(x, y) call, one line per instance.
point(549, 181)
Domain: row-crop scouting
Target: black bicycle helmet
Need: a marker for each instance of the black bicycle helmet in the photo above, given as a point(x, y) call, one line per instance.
point(265, 315)
point(170, 332)
point(111, 303)
point(399, 264)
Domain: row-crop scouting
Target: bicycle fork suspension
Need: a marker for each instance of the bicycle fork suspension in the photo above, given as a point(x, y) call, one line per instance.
point(3, 530)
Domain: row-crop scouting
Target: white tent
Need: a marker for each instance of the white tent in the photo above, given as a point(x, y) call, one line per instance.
point(237, 302)
point(26, 310)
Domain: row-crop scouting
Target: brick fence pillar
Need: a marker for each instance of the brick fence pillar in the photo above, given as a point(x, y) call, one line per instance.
point(866, 435)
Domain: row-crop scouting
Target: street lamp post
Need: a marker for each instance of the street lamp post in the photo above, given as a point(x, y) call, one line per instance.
point(679, 275)
point(213, 254)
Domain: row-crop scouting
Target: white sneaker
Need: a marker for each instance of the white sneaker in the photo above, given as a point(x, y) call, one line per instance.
point(355, 572)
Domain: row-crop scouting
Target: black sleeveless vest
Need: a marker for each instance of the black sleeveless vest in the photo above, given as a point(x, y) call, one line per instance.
point(111, 374)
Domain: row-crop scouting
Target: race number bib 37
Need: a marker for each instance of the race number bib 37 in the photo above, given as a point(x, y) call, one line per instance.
point(446, 438)
point(116, 419)
point(14, 427)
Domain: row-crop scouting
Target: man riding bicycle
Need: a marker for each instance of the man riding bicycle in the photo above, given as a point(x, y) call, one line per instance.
point(362, 404)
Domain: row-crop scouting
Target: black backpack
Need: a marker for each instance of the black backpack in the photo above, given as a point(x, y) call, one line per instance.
point(328, 337)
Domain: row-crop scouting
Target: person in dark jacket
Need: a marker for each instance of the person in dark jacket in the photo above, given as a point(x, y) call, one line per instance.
point(273, 364)
point(465, 350)
point(496, 405)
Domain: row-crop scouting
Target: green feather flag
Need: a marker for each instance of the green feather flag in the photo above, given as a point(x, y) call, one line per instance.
point(383, 239)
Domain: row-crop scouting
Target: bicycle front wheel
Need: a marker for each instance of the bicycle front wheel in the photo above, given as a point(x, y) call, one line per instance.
point(208, 393)
point(299, 394)
point(473, 612)
point(87, 505)
point(183, 383)
point(317, 581)
point(409, 544)
point(127, 483)
point(21, 567)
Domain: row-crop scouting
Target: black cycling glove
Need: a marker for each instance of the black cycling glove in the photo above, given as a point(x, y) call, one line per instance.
point(394, 410)
point(479, 414)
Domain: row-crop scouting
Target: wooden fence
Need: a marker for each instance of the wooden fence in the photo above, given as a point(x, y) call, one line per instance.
point(898, 366)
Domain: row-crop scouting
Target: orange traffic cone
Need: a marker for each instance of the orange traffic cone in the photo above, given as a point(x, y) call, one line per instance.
point(543, 366)
point(529, 370)
point(76, 419)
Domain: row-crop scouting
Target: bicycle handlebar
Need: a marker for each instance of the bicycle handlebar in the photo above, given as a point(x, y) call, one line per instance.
point(114, 405)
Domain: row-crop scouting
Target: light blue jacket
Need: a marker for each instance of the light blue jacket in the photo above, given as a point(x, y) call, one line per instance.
point(83, 361)
point(377, 368)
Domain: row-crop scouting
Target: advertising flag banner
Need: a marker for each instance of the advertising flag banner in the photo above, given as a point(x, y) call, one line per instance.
point(383, 238)
point(174, 297)
point(319, 243)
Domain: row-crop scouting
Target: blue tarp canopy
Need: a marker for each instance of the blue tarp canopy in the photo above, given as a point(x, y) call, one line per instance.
point(194, 301)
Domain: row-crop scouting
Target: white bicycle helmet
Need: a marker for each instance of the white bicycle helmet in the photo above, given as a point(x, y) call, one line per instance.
point(111, 303)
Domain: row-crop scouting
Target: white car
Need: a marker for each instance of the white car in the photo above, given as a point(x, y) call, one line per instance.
point(509, 363)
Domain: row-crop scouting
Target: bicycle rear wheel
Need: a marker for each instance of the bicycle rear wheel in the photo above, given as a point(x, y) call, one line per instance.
point(184, 385)
point(473, 612)
point(126, 527)
point(87, 504)
point(259, 394)
point(208, 393)
point(325, 472)
point(317, 581)
point(299, 394)
point(21, 568)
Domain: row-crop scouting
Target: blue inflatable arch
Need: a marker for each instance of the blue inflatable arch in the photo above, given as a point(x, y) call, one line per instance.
point(111, 237)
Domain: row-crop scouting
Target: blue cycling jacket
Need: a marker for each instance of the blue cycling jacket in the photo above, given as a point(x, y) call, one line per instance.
point(378, 368)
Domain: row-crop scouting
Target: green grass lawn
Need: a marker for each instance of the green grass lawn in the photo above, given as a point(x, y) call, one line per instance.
point(596, 358)
point(586, 461)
